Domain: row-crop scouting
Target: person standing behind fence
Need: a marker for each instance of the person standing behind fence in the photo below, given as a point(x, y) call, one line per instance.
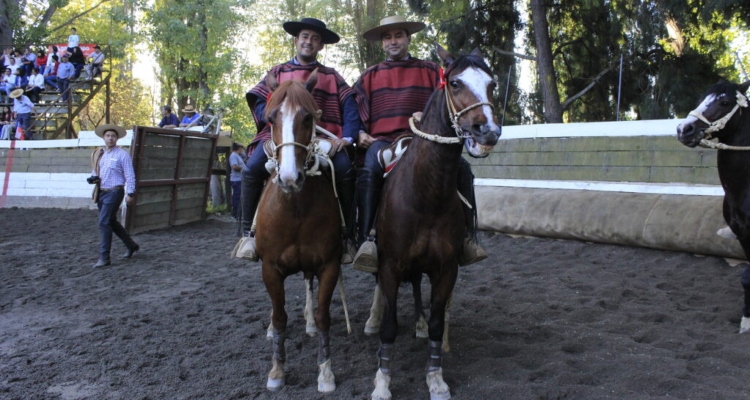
point(23, 107)
point(236, 163)
point(114, 176)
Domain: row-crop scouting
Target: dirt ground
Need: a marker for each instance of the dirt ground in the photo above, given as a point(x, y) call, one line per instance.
point(540, 319)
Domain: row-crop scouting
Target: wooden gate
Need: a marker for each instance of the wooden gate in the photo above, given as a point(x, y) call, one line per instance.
point(173, 173)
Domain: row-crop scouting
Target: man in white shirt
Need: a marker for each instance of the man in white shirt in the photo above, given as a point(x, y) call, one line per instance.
point(73, 39)
point(36, 85)
point(95, 66)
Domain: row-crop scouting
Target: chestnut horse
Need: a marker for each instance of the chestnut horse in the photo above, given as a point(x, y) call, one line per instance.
point(723, 114)
point(420, 223)
point(298, 222)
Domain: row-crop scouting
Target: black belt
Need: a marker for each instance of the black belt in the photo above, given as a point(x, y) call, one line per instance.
point(112, 189)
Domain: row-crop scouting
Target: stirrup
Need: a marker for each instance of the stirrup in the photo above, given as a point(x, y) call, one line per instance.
point(471, 253)
point(366, 259)
point(245, 249)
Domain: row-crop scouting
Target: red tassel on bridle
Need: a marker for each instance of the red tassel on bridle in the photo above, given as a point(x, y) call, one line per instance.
point(441, 74)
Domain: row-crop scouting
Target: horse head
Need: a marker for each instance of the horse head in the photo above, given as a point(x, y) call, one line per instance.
point(715, 111)
point(468, 85)
point(292, 114)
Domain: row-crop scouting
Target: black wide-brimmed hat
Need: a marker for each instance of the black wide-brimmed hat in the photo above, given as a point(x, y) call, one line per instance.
point(294, 27)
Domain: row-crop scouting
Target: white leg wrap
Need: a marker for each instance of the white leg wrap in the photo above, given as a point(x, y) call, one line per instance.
point(382, 384)
point(372, 326)
point(745, 325)
point(269, 332)
point(326, 380)
point(310, 328)
point(439, 390)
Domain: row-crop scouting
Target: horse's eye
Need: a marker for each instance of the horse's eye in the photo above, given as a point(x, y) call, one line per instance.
point(271, 117)
point(724, 103)
point(454, 84)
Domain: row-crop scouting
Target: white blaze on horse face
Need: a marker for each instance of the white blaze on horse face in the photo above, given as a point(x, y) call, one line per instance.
point(702, 107)
point(288, 167)
point(477, 81)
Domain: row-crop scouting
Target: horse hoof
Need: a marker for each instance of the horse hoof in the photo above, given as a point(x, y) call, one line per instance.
point(440, 396)
point(326, 387)
point(311, 331)
point(745, 325)
point(438, 389)
point(275, 385)
point(372, 330)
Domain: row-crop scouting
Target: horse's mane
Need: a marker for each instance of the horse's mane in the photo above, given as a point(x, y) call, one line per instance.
point(296, 93)
point(460, 64)
point(721, 87)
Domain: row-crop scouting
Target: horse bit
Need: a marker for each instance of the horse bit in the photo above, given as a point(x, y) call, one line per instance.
point(719, 124)
point(454, 116)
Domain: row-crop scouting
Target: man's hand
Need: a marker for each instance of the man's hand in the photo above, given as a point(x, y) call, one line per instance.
point(365, 140)
point(129, 200)
point(340, 144)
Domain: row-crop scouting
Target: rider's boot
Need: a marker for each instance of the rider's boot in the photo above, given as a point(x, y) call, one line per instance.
point(471, 251)
point(345, 190)
point(251, 191)
point(368, 195)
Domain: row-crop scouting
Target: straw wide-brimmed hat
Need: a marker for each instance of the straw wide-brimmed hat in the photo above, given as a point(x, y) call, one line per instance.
point(393, 22)
point(294, 27)
point(102, 129)
point(188, 109)
point(16, 93)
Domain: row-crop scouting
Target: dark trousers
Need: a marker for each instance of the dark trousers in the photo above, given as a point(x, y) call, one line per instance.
point(236, 191)
point(63, 84)
point(24, 121)
point(109, 203)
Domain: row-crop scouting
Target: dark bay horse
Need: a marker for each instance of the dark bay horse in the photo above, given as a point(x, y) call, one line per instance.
point(723, 114)
point(420, 223)
point(298, 223)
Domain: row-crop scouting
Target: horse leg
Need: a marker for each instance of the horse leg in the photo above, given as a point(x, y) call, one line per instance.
point(446, 343)
point(745, 280)
point(310, 327)
point(442, 287)
point(372, 326)
point(327, 278)
point(421, 329)
point(388, 332)
point(274, 282)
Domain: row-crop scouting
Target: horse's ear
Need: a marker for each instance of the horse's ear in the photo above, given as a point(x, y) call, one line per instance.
point(311, 81)
point(477, 52)
point(271, 81)
point(444, 55)
point(744, 86)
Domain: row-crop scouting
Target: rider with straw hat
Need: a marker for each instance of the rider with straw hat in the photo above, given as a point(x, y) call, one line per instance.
point(388, 94)
point(23, 107)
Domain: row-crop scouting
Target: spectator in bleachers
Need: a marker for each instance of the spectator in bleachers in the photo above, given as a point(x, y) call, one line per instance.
point(51, 53)
point(50, 75)
point(19, 81)
point(5, 82)
point(94, 68)
point(35, 85)
point(7, 54)
point(169, 119)
point(23, 107)
point(6, 124)
point(73, 39)
point(77, 59)
point(29, 60)
point(64, 72)
point(191, 118)
point(13, 64)
point(41, 61)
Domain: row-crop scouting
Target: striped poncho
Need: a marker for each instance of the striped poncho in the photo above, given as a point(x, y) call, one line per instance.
point(330, 93)
point(390, 92)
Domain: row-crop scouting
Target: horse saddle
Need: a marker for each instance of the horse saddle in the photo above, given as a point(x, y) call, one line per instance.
point(389, 156)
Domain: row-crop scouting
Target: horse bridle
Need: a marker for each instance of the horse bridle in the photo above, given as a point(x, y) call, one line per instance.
point(454, 117)
point(310, 150)
point(720, 123)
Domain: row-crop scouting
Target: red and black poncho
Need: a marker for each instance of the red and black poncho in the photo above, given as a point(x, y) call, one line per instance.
point(330, 93)
point(390, 92)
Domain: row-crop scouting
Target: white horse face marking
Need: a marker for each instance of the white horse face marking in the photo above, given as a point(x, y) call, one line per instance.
point(701, 109)
point(288, 171)
point(477, 81)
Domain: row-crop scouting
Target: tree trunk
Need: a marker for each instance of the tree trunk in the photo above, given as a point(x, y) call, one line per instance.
point(8, 13)
point(548, 82)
